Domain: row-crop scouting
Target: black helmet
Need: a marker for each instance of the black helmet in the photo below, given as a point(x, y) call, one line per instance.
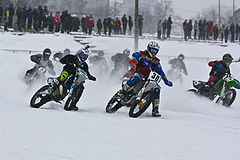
point(181, 57)
point(227, 59)
point(153, 48)
point(101, 53)
point(46, 53)
point(126, 52)
point(66, 51)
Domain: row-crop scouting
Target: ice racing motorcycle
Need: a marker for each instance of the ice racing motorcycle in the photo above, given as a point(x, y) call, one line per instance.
point(35, 74)
point(224, 89)
point(175, 74)
point(57, 93)
point(138, 97)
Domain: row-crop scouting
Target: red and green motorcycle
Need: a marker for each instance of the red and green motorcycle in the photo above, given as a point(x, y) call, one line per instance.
point(224, 89)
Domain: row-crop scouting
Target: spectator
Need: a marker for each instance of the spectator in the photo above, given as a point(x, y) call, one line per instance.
point(124, 23)
point(11, 14)
point(196, 29)
point(169, 26)
point(6, 18)
point(232, 31)
point(1, 13)
point(201, 28)
point(226, 33)
point(99, 26)
point(118, 25)
point(29, 18)
point(45, 22)
point(211, 28)
point(51, 23)
point(35, 20)
point(90, 24)
point(237, 31)
point(110, 26)
point(222, 32)
point(189, 29)
point(159, 29)
point(84, 24)
point(185, 29)
point(140, 24)
point(130, 24)
point(57, 22)
point(164, 27)
point(105, 25)
point(215, 32)
point(76, 23)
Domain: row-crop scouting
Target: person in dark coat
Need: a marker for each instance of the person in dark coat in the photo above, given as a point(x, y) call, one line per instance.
point(232, 31)
point(169, 26)
point(29, 18)
point(164, 28)
point(200, 26)
point(237, 31)
point(215, 32)
point(76, 23)
point(105, 26)
point(1, 13)
point(110, 26)
point(140, 24)
point(159, 29)
point(11, 14)
point(130, 24)
point(84, 24)
point(51, 22)
point(35, 20)
point(99, 26)
point(185, 29)
point(226, 33)
point(189, 28)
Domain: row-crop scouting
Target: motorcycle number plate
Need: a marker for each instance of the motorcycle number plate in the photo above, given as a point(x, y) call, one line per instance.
point(155, 77)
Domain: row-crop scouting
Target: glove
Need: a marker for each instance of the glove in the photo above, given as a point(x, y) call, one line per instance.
point(219, 68)
point(167, 82)
point(92, 78)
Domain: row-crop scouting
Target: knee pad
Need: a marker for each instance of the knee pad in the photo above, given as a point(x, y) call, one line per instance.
point(133, 80)
point(63, 76)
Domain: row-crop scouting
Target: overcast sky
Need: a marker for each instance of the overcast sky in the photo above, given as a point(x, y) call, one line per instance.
point(188, 8)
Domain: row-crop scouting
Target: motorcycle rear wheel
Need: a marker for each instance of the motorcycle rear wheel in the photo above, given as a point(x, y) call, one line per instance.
point(41, 97)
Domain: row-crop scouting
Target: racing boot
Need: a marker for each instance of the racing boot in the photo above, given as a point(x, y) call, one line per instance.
point(155, 112)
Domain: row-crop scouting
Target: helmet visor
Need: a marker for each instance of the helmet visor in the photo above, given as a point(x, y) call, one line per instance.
point(228, 60)
point(154, 51)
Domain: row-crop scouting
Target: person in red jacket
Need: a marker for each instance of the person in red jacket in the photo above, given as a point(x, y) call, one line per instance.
point(57, 22)
point(90, 24)
point(219, 69)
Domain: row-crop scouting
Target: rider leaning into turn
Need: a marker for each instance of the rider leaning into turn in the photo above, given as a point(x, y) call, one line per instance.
point(41, 60)
point(143, 70)
point(219, 69)
point(72, 63)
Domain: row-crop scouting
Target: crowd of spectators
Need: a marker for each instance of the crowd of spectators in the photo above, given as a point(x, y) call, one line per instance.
point(41, 19)
point(206, 30)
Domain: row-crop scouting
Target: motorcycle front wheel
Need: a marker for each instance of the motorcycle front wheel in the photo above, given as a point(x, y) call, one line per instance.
point(41, 97)
point(114, 104)
point(228, 98)
point(139, 107)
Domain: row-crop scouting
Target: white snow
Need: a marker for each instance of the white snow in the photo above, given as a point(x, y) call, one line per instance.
point(191, 128)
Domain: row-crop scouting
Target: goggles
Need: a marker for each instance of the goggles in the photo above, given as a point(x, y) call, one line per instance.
point(154, 51)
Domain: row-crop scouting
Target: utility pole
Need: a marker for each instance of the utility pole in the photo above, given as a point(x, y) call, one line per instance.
point(219, 20)
point(233, 12)
point(136, 28)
